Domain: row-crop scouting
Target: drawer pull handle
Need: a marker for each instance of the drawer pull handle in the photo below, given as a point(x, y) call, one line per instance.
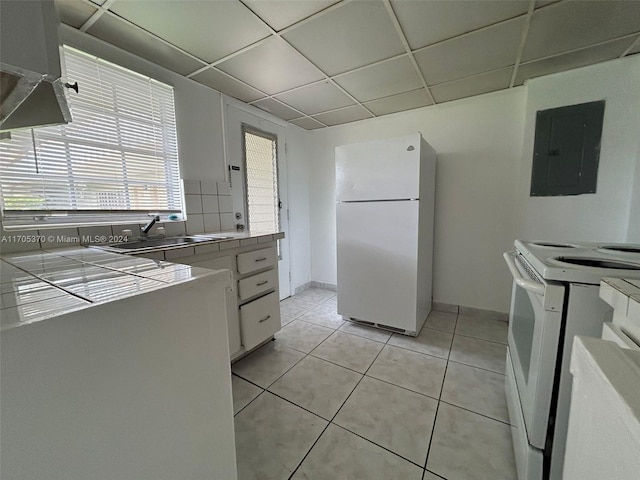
point(262, 283)
point(264, 319)
point(261, 259)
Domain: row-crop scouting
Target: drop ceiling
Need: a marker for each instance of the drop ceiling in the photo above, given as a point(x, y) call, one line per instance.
point(318, 63)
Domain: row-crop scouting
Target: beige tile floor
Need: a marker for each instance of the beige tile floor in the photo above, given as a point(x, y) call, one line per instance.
point(330, 399)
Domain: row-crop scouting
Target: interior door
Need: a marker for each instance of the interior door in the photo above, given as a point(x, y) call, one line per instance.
point(237, 121)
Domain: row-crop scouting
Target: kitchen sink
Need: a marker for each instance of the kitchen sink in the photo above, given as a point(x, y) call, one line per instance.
point(165, 242)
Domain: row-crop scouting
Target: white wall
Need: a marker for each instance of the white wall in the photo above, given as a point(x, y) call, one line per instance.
point(479, 143)
point(605, 215)
point(298, 148)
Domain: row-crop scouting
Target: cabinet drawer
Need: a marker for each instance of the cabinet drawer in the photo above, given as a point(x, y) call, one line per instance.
point(259, 320)
point(256, 284)
point(251, 261)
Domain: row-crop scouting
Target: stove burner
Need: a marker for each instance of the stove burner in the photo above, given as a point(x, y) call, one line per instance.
point(597, 263)
point(554, 245)
point(614, 248)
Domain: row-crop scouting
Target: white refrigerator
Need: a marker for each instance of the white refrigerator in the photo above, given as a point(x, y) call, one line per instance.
point(385, 197)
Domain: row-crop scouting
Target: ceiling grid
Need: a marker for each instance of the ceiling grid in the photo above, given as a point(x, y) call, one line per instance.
point(320, 63)
point(403, 39)
point(523, 41)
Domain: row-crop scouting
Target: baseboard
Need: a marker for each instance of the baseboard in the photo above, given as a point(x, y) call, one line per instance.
point(444, 307)
point(470, 311)
point(302, 288)
point(479, 312)
point(326, 286)
point(314, 284)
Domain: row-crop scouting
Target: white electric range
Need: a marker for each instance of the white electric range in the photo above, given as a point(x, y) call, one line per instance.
point(554, 297)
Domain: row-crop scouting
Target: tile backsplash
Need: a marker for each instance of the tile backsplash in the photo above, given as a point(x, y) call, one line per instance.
point(208, 207)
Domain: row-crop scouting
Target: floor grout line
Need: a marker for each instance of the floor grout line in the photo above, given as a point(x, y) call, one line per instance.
point(435, 418)
point(475, 366)
point(377, 444)
point(477, 413)
point(403, 388)
point(483, 339)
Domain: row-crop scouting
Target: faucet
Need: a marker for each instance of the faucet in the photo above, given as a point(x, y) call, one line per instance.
point(148, 226)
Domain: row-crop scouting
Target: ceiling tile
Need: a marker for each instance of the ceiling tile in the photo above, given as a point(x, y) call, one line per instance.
point(354, 35)
point(381, 80)
point(574, 24)
point(343, 115)
point(477, 52)
point(272, 67)
point(425, 23)
point(276, 108)
point(73, 12)
point(207, 29)
point(544, 3)
point(316, 98)
point(476, 85)
point(399, 103)
point(99, 2)
point(225, 84)
point(567, 61)
point(132, 39)
point(307, 123)
point(635, 49)
point(280, 14)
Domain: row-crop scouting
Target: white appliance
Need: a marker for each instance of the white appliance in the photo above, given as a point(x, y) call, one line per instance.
point(603, 439)
point(385, 193)
point(554, 298)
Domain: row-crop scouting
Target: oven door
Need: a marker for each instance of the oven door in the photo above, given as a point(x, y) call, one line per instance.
point(535, 318)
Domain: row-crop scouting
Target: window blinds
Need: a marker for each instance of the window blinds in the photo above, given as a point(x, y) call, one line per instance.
point(118, 155)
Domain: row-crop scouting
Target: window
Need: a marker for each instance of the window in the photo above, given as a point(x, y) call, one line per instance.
point(262, 181)
point(117, 161)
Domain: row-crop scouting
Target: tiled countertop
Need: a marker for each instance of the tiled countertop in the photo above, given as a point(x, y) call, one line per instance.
point(623, 295)
point(234, 240)
point(43, 284)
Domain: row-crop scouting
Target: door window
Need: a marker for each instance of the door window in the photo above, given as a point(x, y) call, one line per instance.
point(261, 171)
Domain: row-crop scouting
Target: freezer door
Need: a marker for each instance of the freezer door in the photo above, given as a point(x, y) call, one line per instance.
point(379, 170)
point(377, 262)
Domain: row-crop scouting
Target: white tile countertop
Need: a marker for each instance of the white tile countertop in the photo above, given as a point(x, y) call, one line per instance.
point(42, 284)
point(101, 356)
point(623, 295)
point(604, 424)
point(232, 239)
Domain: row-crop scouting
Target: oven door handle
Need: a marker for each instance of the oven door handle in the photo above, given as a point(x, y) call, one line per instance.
point(528, 285)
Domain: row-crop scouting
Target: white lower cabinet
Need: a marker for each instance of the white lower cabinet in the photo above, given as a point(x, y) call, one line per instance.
point(256, 260)
point(253, 306)
point(259, 320)
point(257, 284)
point(219, 263)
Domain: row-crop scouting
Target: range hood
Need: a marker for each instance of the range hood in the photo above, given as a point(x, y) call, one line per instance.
point(31, 90)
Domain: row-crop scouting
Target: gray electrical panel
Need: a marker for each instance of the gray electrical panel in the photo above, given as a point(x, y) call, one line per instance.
point(567, 150)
